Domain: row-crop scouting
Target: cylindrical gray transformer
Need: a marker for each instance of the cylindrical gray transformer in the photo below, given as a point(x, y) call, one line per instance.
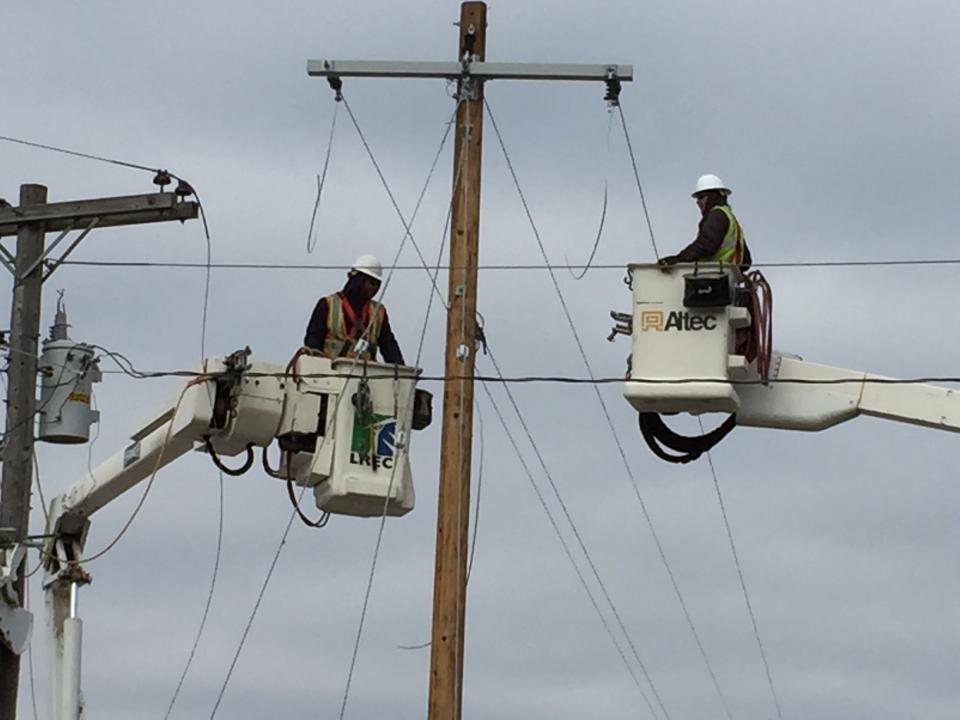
point(67, 372)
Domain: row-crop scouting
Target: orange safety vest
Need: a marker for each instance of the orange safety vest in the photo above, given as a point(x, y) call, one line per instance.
point(341, 340)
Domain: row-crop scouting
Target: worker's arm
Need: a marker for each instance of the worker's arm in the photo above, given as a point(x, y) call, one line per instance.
point(317, 327)
point(713, 228)
point(389, 347)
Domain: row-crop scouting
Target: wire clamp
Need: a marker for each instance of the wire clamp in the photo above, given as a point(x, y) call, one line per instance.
point(612, 96)
point(335, 81)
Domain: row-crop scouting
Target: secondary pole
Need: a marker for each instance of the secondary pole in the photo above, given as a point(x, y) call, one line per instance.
point(449, 592)
point(21, 408)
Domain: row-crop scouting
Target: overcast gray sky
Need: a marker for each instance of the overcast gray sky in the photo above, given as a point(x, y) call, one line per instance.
point(837, 126)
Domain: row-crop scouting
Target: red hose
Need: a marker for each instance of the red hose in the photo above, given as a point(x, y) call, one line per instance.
point(760, 345)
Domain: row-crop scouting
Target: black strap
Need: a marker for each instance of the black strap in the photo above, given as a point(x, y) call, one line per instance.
point(656, 433)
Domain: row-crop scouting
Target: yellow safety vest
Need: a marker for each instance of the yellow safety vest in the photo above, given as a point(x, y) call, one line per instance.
point(731, 250)
point(341, 342)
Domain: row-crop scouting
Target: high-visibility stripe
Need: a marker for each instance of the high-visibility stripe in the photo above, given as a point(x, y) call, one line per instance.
point(339, 341)
point(731, 249)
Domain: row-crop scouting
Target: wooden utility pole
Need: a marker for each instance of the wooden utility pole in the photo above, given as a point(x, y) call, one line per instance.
point(470, 71)
point(453, 512)
point(30, 222)
point(21, 406)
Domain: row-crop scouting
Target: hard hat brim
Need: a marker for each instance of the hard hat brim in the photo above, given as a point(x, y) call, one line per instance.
point(726, 191)
point(368, 273)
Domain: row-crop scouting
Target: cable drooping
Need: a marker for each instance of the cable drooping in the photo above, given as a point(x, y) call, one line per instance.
point(206, 607)
point(321, 180)
point(743, 582)
point(608, 418)
point(603, 211)
point(583, 547)
point(636, 174)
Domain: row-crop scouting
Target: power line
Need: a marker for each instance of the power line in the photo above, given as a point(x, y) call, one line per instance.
point(580, 542)
point(321, 180)
point(423, 334)
point(327, 434)
point(743, 582)
point(498, 266)
point(603, 210)
point(636, 175)
point(76, 153)
point(566, 548)
point(606, 414)
point(206, 607)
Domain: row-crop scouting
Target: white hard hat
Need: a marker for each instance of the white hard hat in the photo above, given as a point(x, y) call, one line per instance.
point(710, 182)
point(368, 265)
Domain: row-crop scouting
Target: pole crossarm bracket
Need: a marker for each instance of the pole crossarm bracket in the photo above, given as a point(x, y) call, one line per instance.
point(478, 70)
point(110, 212)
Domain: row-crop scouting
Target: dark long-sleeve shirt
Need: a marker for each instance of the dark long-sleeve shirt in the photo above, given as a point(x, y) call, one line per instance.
point(317, 333)
point(710, 233)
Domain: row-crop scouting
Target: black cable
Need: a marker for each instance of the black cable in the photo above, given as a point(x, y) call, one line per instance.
point(319, 523)
point(233, 472)
point(502, 266)
point(656, 433)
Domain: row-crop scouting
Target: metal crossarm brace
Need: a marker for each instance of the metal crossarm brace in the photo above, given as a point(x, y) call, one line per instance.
point(478, 70)
point(8, 260)
point(114, 211)
point(54, 264)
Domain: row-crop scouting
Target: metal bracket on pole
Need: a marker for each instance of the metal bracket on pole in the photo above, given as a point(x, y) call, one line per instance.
point(9, 262)
point(54, 264)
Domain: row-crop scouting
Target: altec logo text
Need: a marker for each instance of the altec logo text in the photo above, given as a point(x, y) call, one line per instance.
point(676, 320)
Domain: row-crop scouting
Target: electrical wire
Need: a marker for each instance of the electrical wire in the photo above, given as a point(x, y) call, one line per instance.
point(743, 582)
point(864, 379)
point(206, 606)
point(576, 533)
point(603, 211)
point(293, 515)
point(75, 153)
point(458, 179)
point(206, 282)
point(143, 497)
point(608, 418)
point(408, 233)
point(566, 549)
point(476, 501)
point(504, 266)
point(321, 180)
point(636, 175)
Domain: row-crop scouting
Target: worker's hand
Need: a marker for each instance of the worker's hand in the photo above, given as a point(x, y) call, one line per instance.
point(667, 261)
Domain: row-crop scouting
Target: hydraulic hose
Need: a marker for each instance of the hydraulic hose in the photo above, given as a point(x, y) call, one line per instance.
point(656, 434)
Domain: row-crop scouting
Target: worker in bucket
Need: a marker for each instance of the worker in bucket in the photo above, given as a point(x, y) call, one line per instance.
point(719, 237)
point(350, 323)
